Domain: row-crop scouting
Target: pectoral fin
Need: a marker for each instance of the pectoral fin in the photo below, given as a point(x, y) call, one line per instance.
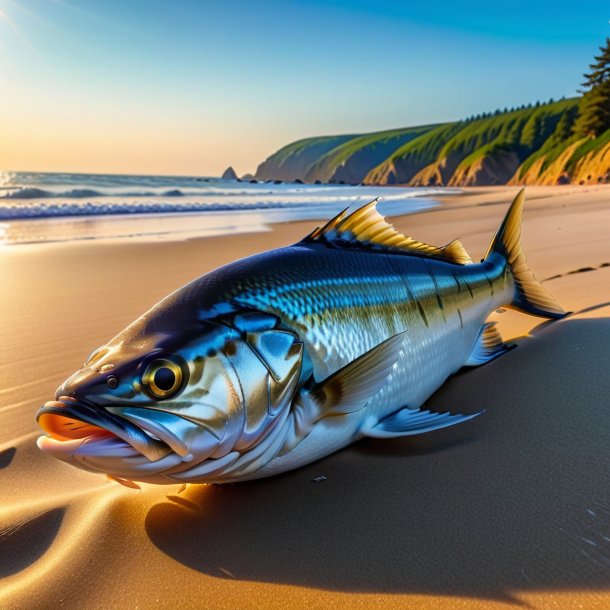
point(345, 391)
point(407, 422)
point(349, 389)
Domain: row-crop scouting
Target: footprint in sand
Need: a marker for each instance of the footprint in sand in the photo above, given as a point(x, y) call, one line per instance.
point(575, 271)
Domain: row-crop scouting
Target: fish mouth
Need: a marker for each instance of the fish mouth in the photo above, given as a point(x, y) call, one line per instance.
point(73, 425)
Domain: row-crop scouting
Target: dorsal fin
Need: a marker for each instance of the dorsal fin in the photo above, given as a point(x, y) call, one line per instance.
point(367, 227)
point(455, 252)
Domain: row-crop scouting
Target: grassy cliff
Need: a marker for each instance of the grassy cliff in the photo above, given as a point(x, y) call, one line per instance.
point(352, 160)
point(533, 145)
point(292, 161)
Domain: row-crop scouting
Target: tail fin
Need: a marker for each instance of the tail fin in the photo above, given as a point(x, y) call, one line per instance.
point(530, 296)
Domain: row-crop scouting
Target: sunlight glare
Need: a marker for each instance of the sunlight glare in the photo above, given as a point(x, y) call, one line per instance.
point(6, 18)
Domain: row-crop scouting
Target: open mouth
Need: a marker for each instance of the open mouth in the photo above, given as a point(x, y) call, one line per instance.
point(76, 425)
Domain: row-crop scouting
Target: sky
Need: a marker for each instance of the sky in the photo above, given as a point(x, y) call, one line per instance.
point(188, 87)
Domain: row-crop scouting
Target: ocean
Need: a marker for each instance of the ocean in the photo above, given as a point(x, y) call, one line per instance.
point(50, 207)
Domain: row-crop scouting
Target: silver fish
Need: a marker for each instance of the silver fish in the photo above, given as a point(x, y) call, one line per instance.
point(282, 358)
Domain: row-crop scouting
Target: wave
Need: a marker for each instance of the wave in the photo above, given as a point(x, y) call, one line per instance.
point(309, 207)
point(90, 209)
point(31, 192)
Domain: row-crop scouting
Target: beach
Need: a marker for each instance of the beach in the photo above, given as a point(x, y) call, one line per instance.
point(509, 509)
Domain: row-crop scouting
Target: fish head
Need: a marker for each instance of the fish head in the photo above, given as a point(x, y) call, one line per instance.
point(162, 402)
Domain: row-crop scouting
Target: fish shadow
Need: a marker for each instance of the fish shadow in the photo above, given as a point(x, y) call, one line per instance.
point(515, 500)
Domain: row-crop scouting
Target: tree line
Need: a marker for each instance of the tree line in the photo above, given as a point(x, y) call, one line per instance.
point(593, 115)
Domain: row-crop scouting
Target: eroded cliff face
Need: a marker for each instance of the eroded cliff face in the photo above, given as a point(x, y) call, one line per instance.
point(568, 167)
point(352, 161)
point(438, 173)
point(495, 167)
point(294, 160)
point(593, 167)
point(401, 170)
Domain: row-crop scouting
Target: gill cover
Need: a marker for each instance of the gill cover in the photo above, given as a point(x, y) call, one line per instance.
point(234, 395)
point(267, 360)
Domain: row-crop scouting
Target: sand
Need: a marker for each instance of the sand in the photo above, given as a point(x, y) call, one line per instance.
point(510, 509)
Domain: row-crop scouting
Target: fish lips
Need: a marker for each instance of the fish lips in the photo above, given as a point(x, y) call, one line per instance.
point(71, 423)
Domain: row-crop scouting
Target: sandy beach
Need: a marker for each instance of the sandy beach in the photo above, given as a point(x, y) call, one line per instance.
point(509, 509)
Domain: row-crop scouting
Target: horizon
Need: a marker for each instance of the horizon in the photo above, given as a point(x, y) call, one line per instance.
point(104, 89)
point(203, 175)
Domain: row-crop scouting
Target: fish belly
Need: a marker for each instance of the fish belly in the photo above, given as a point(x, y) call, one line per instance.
point(430, 354)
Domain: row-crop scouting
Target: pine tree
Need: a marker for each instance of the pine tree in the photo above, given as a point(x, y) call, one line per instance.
point(594, 107)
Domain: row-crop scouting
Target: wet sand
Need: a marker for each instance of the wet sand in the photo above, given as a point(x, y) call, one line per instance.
point(510, 509)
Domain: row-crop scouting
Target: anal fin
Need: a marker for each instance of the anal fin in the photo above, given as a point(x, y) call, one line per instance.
point(408, 422)
point(489, 345)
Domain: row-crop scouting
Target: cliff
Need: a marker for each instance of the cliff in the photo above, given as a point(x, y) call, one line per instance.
point(532, 145)
point(351, 161)
point(583, 161)
point(492, 149)
point(292, 161)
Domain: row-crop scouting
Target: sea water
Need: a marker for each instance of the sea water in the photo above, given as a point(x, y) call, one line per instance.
point(45, 207)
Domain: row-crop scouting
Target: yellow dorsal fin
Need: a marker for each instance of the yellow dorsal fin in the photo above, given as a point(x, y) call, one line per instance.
point(456, 252)
point(366, 226)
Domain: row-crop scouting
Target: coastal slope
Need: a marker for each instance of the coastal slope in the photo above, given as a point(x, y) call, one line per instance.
point(528, 145)
point(351, 161)
point(291, 162)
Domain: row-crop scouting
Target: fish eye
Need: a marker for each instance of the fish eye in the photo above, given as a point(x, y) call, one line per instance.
point(163, 378)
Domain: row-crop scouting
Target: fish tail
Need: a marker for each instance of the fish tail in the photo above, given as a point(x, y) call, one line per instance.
point(530, 296)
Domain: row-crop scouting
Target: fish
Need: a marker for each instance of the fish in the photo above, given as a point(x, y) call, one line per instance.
point(282, 358)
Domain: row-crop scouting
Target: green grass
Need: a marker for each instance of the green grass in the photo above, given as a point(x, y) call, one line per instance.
point(589, 146)
point(522, 130)
point(295, 158)
point(376, 147)
point(479, 153)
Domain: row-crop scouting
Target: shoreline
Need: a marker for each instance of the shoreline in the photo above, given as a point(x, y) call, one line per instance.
point(179, 225)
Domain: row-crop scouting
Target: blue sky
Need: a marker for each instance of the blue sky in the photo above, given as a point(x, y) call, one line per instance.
point(190, 87)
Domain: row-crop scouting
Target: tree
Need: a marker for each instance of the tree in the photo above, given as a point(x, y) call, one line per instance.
point(566, 122)
point(534, 130)
point(594, 107)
